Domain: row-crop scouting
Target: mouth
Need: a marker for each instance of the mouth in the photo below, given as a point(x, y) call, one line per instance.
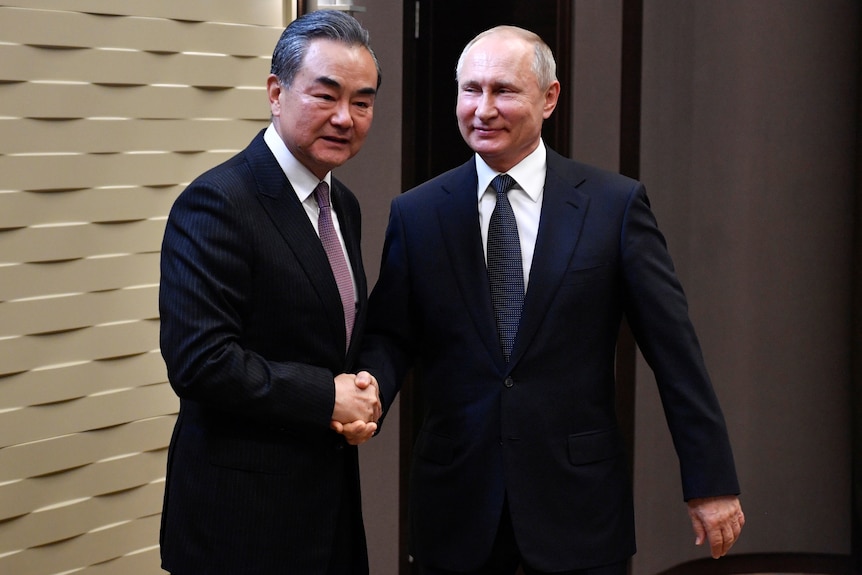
point(485, 130)
point(339, 140)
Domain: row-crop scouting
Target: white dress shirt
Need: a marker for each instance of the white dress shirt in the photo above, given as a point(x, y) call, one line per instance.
point(525, 197)
point(304, 182)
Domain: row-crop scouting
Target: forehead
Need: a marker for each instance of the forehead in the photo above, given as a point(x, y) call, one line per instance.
point(324, 56)
point(500, 57)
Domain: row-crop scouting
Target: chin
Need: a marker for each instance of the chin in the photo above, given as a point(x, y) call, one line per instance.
point(334, 160)
point(484, 149)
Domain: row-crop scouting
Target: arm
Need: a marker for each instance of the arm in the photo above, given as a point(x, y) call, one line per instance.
point(387, 350)
point(658, 312)
point(221, 347)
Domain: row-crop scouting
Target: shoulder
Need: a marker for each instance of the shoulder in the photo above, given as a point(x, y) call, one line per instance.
point(240, 166)
point(238, 174)
point(454, 180)
point(580, 174)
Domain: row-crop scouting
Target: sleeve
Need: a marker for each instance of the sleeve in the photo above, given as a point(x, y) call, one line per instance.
point(204, 302)
point(657, 310)
point(387, 349)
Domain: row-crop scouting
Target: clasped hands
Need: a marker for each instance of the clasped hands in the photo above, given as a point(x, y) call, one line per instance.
point(357, 406)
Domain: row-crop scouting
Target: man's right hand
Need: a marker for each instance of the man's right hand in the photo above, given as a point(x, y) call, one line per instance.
point(357, 398)
point(357, 407)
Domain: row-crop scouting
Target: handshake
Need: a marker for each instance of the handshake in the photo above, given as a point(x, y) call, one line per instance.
point(357, 406)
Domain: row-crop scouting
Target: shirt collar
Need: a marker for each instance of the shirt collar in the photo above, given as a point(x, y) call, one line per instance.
point(300, 177)
point(529, 173)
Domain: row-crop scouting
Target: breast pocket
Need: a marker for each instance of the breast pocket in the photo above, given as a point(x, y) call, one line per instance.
point(595, 274)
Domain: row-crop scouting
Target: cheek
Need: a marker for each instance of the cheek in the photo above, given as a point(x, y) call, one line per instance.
point(463, 108)
point(306, 127)
point(361, 127)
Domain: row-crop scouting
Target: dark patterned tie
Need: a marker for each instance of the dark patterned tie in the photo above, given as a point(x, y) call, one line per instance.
point(336, 257)
point(505, 270)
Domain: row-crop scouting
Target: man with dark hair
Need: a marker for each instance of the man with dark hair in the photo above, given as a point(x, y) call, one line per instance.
point(504, 282)
point(263, 305)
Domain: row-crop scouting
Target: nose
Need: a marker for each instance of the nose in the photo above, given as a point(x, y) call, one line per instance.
point(341, 114)
point(486, 107)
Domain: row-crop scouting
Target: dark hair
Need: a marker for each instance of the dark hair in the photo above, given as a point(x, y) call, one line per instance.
point(321, 24)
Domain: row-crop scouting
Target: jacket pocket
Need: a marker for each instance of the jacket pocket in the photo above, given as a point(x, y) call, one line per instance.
point(595, 446)
point(435, 448)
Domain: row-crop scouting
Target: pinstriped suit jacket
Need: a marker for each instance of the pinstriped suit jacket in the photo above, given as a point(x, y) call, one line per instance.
point(252, 334)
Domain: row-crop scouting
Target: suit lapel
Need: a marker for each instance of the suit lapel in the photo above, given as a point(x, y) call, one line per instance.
point(458, 216)
point(289, 218)
point(563, 210)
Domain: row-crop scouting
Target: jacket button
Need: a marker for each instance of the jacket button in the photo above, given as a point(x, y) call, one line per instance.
point(509, 382)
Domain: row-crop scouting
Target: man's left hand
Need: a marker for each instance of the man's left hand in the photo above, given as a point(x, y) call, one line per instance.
point(718, 520)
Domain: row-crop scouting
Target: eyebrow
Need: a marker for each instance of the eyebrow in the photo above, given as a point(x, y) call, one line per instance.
point(495, 85)
point(333, 83)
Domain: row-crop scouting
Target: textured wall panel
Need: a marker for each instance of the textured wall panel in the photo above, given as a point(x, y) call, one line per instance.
point(81, 100)
point(107, 111)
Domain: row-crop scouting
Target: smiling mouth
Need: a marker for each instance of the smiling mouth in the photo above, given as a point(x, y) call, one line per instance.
point(485, 130)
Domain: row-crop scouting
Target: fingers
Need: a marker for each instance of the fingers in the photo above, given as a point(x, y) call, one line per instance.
point(358, 432)
point(378, 407)
point(355, 402)
point(699, 532)
point(363, 379)
point(718, 520)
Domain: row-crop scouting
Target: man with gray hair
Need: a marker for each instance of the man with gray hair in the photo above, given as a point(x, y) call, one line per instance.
point(263, 305)
point(503, 284)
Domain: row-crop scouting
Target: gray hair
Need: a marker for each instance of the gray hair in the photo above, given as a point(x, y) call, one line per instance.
point(334, 25)
point(544, 65)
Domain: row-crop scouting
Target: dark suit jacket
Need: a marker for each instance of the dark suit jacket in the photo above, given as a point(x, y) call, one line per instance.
point(541, 430)
point(252, 333)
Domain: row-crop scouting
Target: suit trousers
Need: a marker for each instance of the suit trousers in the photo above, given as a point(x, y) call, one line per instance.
point(506, 558)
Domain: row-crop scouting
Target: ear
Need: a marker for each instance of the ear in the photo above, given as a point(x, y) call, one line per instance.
point(552, 94)
point(273, 90)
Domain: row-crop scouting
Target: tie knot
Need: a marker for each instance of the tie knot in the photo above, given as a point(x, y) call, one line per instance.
point(321, 194)
point(502, 183)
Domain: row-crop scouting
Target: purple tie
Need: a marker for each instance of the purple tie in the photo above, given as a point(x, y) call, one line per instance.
point(336, 257)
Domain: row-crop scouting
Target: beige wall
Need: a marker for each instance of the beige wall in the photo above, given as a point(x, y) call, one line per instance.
point(107, 109)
